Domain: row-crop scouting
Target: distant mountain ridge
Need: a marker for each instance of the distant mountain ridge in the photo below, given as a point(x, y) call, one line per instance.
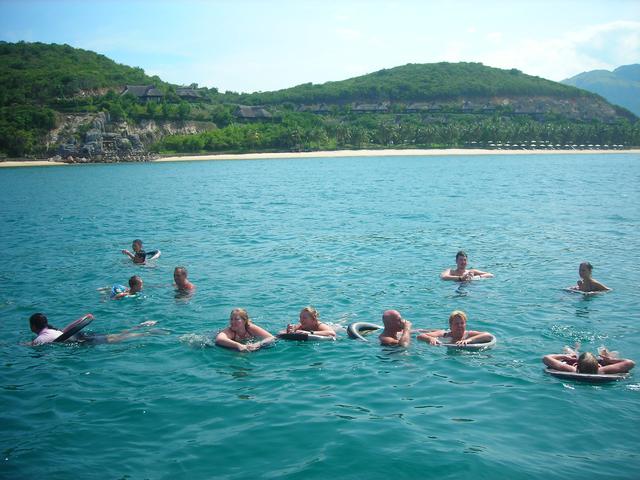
point(620, 87)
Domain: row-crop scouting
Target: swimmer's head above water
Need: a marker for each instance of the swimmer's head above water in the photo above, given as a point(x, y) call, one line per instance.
point(392, 319)
point(38, 322)
point(309, 317)
point(135, 284)
point(587, 363)
point(461, 260)
point(585, 270)
point(457, 323)
point(239, 316)
point(136, 245)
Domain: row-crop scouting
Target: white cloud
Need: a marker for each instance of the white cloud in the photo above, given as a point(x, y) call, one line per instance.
point(604, 46)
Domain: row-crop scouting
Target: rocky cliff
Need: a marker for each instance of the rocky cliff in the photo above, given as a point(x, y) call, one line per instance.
point(82, 138)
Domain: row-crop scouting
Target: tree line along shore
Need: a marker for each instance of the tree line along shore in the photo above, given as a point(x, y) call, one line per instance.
point(74, 105)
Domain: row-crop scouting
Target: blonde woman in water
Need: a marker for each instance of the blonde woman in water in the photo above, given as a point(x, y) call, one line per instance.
point(240, 330)
point(310, 323)
point(457, 332)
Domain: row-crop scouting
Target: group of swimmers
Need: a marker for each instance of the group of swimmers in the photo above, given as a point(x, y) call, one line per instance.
point(243, 335)
point(139, 256)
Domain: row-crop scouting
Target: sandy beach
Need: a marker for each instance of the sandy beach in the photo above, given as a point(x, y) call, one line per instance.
point(340, 153)
point(384, 153)
point(30, 163)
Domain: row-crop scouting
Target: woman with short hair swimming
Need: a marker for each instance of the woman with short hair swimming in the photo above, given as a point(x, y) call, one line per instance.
point(457, 332)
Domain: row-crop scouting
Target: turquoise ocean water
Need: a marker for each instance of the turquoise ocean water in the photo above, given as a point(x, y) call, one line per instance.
point(353, 237)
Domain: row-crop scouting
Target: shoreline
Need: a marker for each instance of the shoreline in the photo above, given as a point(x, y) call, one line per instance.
point(381, 153)
point(333, 154)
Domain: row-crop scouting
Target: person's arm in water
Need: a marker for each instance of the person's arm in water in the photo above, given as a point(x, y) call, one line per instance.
point(557, 362)
point(292, 328)
point(120, 295)
point(224, 341)
point(614, 365)
point(257, 331)
point(432, 338)
point(475, 337)
point(447, 275)
point(480, 273)
point(596, 286)
point(129, 254)
point(324, 331)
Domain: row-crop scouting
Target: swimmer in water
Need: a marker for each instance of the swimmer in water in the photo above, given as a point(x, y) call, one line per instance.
point(135, 287)
point(310, 323)
point(460, 273)
point(457, 332)
point(39, 325)
point(139, 255)
point(182, 283)
point(397, 330)
point(586, 282)
point(587, 362)
point(241, 329)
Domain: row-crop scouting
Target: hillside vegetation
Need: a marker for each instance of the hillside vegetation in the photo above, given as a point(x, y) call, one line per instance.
point(56, 99)
point(422, 82)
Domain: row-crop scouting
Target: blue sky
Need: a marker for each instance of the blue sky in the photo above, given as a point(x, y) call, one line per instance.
point(250, 45)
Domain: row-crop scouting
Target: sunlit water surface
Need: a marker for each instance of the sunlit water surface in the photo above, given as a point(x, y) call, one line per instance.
point(353, 237)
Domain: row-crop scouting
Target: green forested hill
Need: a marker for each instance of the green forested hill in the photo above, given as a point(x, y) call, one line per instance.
point(50, 95)
point(422, 82)
point(37, 73)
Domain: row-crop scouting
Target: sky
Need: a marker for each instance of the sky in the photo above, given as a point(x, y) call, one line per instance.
point(250, 45)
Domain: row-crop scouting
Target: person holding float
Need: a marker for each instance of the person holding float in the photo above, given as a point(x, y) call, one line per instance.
point(460, 273)
point(457, 335)
point(587, 363)
point(397, 330)
point(120, 291)
point(39, 324)
point(309, 326)
point(183, 285)
point(240, 330)
point(586, 283)
point(139, 256)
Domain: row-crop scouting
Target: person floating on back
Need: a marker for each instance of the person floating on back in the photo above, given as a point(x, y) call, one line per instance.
point(397, 330)
point(605, 363)
point(310, 323)
point(39, 324)
point(586, 282)
point(460, 273)
point(139, 256)
point(183, 285)
point(457, 332)
point(120, 291)
point(240, 330)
